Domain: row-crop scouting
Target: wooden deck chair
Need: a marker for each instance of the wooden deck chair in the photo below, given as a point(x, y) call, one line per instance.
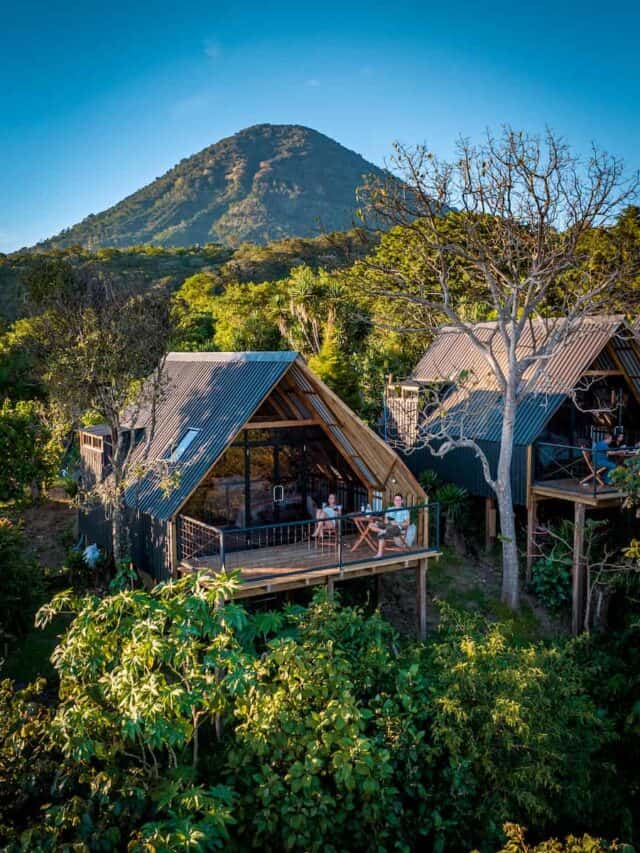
point(405, 541)
point(593, 472)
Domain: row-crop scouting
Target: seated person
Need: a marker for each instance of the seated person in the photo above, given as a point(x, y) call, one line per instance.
point(619, 442)
point(395, 523)
point(325, 516)
point(601, 450)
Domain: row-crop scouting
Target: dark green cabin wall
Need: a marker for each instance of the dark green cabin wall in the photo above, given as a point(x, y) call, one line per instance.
point(463, 468)
point(149, 539)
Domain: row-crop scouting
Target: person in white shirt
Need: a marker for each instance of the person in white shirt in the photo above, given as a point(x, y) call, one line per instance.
point(325, 516)
point(395, 523)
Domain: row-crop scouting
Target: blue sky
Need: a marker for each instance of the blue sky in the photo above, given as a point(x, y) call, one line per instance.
point(98, 99)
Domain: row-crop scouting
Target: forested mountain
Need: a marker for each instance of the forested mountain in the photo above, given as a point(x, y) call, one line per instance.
point(264, 183)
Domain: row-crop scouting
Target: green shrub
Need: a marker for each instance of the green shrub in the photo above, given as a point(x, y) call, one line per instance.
point(28, 759)
point(21, 582)
point(551, 574)
point(551, 581)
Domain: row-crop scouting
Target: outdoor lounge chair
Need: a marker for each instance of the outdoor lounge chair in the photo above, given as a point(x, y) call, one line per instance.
point(405, 541)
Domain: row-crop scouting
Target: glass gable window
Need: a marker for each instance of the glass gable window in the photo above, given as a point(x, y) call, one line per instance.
point(175, 454)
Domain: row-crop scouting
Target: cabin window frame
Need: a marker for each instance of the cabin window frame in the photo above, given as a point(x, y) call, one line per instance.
point(172, 456)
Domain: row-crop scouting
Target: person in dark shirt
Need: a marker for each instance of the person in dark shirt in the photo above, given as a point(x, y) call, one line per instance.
point(601, 458)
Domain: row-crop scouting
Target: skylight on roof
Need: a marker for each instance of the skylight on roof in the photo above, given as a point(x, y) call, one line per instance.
point(185, 442)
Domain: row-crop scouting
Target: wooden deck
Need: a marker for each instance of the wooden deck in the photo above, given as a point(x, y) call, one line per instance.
point(568, 489)
point(274, 569)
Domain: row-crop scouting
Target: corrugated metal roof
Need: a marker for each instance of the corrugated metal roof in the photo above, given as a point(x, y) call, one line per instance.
point(453, 352)
point(477, 409)
point(478, 415)
point(215, 393)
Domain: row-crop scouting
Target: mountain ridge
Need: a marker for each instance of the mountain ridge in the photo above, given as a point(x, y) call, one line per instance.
point(264, 183)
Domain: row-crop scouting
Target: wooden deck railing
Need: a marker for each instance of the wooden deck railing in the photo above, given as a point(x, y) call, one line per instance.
point(345, 541)
point(583, 465)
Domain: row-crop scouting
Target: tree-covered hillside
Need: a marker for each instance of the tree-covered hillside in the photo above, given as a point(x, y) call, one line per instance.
point(169, 267)
point(264, 183)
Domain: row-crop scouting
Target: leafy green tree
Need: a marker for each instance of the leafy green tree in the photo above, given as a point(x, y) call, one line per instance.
point(28, 760)
point(106, 344)
point(21, 366)
point(21, 582)
point(29, 452)
point(194, 312)
point(334, 368)
point(512, 733)
point(243, 319)
point(346, 742)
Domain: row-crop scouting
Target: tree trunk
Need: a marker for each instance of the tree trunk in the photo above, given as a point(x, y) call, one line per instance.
point(118, 527)
point(510, 567)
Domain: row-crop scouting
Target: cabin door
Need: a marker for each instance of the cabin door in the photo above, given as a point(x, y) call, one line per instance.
point(276, 488)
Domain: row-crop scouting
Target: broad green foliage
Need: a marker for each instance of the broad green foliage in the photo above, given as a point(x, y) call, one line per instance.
point(242, 319)
point(627, 478)
point(140, 672)
point(551, 574)
point(185, 723)
point(611, 664)
point(21, 583)
point(193, 312)
point(21, 361)
point(311, 761)
point(345, 743)
point(27, 449)
point(512, 734)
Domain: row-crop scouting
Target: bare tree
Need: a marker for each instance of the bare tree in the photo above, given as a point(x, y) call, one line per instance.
point(106, 342)
point(501, 227)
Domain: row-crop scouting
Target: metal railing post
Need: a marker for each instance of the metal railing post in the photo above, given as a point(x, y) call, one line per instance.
point(340, 535)
point(222, 553)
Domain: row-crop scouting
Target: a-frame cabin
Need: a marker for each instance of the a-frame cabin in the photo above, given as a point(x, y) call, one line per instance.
point(255, 442)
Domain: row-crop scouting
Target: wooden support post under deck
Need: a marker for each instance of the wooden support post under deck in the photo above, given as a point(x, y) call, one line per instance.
point(577, 572)
point(489, 523)
point(330, 588)
point(532, 523)
point(421, 598)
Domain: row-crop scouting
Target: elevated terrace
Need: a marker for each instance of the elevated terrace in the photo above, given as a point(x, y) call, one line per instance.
point(279, 557)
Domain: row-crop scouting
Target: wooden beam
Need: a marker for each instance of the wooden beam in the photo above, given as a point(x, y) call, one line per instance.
point(421, 598)
point(330, 588)
point(603, 373)
point(489, 523)
point(532, 524)
point(284, 424)
point(631, 384)
point(173, 547)
point(577, 571)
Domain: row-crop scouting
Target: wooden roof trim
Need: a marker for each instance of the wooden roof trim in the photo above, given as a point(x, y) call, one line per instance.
point(357, 424)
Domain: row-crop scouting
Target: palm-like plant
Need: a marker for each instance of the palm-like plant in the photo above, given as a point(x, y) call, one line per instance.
point(454, 499)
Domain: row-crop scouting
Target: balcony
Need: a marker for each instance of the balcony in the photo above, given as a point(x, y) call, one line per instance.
point(574, 473)
point(288, 555)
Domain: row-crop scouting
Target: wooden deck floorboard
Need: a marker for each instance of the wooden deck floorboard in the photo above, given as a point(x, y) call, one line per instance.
point(304, 563)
